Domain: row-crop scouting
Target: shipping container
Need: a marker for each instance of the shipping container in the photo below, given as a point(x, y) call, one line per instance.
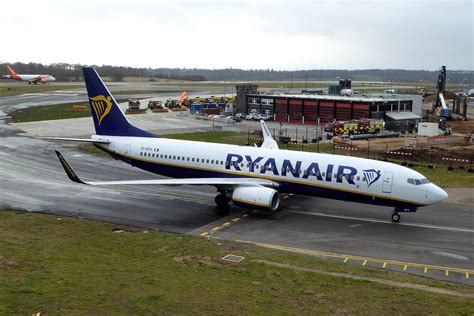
point(200, 107)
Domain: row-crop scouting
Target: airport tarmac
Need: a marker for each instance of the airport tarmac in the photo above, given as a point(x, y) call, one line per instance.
point(437, 241)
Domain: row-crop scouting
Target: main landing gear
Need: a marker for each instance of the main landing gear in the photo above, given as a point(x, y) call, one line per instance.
point(395, 217)
point(222, 202)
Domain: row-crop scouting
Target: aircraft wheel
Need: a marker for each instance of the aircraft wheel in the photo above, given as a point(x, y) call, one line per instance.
point(222, 203)
point(221, 200)
point(395, 217)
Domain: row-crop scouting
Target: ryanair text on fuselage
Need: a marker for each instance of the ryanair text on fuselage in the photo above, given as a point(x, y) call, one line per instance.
point(312, 170)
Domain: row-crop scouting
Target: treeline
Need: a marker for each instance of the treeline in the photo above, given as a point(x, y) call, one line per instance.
point(73, 72)
point(68, 72)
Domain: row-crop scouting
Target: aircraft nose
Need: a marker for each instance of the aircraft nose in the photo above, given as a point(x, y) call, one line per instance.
point(438, 194)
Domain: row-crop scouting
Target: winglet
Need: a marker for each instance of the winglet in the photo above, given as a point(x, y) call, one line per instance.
point(268, 141)
point(70, 173)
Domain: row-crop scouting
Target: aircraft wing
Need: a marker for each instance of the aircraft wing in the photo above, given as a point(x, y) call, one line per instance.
point(190, 181)
point(268, 141)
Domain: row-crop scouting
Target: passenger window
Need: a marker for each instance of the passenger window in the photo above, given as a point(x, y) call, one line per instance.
point(207, 161)
point(222, 162)
point(188, 159)
point(212, 161)
point(323, 174)
point(161, 156)
point(192, 159)
point(358, 178)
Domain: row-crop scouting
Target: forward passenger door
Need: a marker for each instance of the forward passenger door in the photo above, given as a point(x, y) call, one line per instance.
point(387, 182)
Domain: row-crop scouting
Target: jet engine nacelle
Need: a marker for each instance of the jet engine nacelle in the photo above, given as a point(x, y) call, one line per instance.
point(256, 197)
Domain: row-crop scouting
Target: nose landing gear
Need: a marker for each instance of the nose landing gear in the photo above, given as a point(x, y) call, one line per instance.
point(397, 210)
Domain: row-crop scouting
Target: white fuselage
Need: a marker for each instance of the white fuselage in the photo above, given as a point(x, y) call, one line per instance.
point(32, 78)
point(334, 176)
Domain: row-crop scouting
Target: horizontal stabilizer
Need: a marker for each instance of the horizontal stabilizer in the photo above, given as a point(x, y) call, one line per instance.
point(81, 140)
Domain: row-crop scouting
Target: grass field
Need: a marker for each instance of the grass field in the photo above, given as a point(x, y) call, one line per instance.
point(52, 112)
point(39, 88)
point(65, 266)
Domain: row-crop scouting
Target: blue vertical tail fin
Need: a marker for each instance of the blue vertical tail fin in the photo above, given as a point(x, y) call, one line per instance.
point(108, 117)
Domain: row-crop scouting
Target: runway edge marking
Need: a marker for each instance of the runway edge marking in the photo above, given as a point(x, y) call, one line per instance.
point(227, 223)
point(384, 262)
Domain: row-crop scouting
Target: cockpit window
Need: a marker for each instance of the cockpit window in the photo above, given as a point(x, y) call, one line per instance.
point(418, 181)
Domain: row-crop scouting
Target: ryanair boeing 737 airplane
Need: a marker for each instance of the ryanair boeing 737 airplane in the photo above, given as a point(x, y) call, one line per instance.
point(250, 177)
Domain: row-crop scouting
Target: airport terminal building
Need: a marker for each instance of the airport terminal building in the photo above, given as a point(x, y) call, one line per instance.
point(307, 108)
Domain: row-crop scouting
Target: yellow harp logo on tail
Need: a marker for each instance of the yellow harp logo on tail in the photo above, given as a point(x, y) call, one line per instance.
point(101, 106)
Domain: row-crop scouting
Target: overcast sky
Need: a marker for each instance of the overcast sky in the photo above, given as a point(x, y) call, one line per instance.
point(283, 35)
